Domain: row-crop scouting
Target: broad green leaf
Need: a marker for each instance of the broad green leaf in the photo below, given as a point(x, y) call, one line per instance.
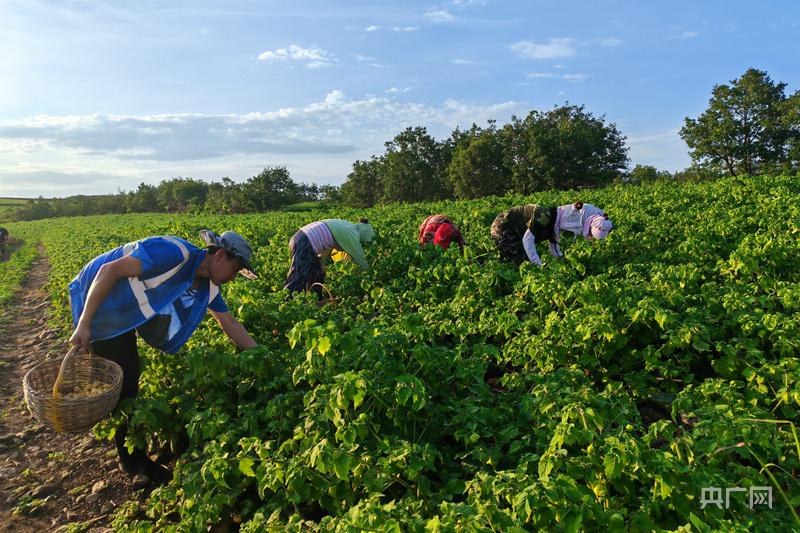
point(246, 466)
point(324, 345)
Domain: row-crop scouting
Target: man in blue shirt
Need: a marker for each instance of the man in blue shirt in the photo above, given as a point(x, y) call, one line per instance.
point(159, 288)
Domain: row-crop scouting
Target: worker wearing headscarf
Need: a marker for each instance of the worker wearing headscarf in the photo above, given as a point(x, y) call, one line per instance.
point(517, 230)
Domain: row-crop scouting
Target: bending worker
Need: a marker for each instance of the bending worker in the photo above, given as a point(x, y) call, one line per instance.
point(312, 243)
point(516, 231)
point(158, 288)
point(439, 230)
point(3, 239)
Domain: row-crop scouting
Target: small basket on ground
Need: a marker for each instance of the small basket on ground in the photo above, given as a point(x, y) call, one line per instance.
point(330, 299)
point(72, 395)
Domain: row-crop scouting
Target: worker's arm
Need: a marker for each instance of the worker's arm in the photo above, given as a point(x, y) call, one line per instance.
point(529, 243)
point(234, 329)
point(107, 276)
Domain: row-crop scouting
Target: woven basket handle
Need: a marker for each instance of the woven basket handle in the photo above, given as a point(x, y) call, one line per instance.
point(60, 377)
point(330, 294)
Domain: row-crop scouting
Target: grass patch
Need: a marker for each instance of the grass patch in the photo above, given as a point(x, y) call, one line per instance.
point(27, 505)
point(7, 205)
point(303, 207)
point(77, 490)
point(77, 527)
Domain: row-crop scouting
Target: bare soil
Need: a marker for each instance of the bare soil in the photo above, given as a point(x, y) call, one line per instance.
point(48, 480)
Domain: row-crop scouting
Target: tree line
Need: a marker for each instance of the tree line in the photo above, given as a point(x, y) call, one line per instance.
point(564, 148)
point(271, 189)
point(750, 127)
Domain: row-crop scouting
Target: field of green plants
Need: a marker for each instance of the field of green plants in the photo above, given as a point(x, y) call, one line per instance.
point(446, 392)
point(9, 204)
point(21, 252)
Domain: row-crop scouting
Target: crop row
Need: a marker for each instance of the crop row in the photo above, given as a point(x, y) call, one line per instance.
point(605, 390)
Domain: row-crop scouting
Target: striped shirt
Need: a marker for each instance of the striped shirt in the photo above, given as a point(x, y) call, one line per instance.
point(320, 237)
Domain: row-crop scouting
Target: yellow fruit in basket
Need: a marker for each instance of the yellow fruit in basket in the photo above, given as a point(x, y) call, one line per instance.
point(87, 390)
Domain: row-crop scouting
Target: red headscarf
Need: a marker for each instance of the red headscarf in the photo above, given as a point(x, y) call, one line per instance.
point(444, 236)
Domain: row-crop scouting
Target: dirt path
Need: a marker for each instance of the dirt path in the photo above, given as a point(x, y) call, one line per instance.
point(47, 480)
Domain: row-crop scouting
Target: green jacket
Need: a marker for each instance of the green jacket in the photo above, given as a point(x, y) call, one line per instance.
point(348, 237)
point(539, 219)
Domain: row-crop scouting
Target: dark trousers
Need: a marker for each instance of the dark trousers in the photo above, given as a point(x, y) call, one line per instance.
point(306, 268)
point(508, 240)
point(123, 351)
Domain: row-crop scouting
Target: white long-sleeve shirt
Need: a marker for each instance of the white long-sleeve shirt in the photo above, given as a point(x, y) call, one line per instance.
point(577, 221)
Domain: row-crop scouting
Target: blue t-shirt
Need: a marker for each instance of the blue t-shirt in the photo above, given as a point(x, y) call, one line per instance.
point(165, 303)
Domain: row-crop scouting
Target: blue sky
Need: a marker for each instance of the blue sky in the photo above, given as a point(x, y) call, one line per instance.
point(99, 96)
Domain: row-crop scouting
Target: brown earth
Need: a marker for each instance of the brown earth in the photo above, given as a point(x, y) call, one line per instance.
point(48, 480)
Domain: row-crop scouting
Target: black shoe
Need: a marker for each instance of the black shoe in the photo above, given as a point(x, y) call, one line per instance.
point(157, 473)
point(140, 481)
point(128, 467)
point(164, 456)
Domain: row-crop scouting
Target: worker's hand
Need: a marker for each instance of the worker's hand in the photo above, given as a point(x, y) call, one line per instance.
point(81, 337)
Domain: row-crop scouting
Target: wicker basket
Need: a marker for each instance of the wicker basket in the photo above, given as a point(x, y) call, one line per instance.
point(47, 384)
point(330, 299)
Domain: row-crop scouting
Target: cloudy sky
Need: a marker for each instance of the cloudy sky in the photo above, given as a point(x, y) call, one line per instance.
point(97, 96)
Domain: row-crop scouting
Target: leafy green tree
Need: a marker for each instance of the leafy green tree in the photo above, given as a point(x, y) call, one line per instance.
point(144, 199)
point(330, 193)
point(645, 173)
point(414, 167)
point(270, 189)
point(35, 210)
point(743, 130)
point(176, 195)
point(477, 167)
point(791, 119)
point(566, 147)
point(363, 186)
point(225, 197)
point(695, 173)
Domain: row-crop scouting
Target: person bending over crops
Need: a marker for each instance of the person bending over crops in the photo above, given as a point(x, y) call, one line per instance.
point(516, 231)
point(439, 230)
point(3, 239)
point(158, 288)
point(312, 243)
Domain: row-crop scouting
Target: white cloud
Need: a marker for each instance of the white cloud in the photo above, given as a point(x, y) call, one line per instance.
point(553, 48)
point(367, 60)
point(439, 15)
point(574, 77)
point(685, 35)
point(397, 90)
point(609, 41)
point(372, 28)
point(405, 29)
point(312, 57)
point(469, 3)
point(318, 142)
point(463, 62)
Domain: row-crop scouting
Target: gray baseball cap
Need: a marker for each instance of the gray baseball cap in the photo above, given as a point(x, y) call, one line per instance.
point(234, 244)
